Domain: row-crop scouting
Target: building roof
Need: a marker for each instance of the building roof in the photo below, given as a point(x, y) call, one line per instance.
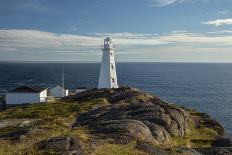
point(26, 89)
point(81, 87)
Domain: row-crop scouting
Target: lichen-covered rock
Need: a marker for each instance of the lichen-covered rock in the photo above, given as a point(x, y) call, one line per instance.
point(123, 131)
point(62, 145)
point(216, 151)
point(15, 134)
point(135, 114)
point(151, 149)
point(187, 151)
point(222, 142)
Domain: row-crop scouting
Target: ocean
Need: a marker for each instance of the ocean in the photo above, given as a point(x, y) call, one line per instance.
point(206, 87)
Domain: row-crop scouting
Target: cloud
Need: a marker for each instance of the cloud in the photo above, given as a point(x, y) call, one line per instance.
point(219, 22)
point(220, 32)
point(159, 3)
point(34, 44)
point(162, 3)
point(224, 12)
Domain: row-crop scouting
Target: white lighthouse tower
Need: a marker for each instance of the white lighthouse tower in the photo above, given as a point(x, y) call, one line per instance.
point(108, 76)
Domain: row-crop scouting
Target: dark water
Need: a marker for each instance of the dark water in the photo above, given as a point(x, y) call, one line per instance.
point(205, 87)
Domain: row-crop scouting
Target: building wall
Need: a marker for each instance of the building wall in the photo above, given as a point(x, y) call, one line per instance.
point(59, 92)
point(20, 98)
point(43, 95)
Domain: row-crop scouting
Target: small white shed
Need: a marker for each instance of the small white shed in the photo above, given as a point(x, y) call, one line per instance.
point(59, 91)
point(26, 94)
point(80, 89)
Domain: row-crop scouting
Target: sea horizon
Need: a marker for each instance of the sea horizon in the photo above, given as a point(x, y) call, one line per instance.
point(187, 62)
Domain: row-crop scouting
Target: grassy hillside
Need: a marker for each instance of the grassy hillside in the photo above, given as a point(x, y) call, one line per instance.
point(23, 127)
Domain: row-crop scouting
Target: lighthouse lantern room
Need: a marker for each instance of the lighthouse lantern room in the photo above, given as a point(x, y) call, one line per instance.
point(108, 76)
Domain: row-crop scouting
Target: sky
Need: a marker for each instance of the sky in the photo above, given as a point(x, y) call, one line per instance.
point(142, 30)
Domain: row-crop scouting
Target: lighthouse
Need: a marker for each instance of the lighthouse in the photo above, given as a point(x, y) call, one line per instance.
point(108, 76)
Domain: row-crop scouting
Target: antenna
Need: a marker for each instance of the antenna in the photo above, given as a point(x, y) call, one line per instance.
point(63, 81)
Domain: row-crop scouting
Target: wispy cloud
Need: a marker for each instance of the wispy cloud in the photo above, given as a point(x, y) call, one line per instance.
point(219, 22)
point(162, 3)
point(34, 43)
point(159, 3)
point(224, 12)
point(221, 32)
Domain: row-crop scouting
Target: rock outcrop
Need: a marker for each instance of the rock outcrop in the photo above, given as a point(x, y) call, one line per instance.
point(111, 121)
point(62, 145)
point(133, 115)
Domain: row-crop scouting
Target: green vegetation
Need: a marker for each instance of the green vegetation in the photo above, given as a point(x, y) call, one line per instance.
point(110, 149)
point(198, 136)
point(52, 119)
point(55, 119)
point(51, 110)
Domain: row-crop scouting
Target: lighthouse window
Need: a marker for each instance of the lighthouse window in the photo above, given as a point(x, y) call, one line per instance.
point(112, 66)
point(111, 53)
point(113, 80)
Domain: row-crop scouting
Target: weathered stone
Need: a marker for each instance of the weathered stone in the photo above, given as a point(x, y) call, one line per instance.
point(160, 134)
point(187, 151)
point(216, 151)
point(151, 149)
point(222, 142)
point(134, 114)
point(64, 145)
point(124, 130)
point(3, 123)
point(14, 134)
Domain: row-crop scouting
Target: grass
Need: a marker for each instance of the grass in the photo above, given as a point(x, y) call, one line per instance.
point(50, 110)
point(196, 137)
point(116, 149)
point(54, 119)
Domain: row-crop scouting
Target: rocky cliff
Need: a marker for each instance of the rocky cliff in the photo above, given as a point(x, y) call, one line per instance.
point(111, 121)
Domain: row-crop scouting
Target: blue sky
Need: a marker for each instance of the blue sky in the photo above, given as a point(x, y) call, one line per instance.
point(142, 30)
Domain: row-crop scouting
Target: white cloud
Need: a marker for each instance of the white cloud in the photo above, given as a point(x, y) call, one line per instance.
point(224, 12)
point(220, 32)
point(219, 22)
point(34, 44)
point(159, 3)
point(162, 3)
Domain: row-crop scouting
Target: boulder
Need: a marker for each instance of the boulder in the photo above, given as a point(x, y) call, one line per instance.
point(187, 151)
point(216, 151)
point(63, 145)
point(123, 131)
point(150, 148)
point(135, 115)
point(15, 134)
point(3, 123)
point(222, 142)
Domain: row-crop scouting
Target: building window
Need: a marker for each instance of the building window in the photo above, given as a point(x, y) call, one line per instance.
point(112, 66)
point(113, 80)
point(111, 53)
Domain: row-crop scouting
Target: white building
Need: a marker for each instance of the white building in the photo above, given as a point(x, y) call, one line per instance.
point(59, 91)
point(80, 89)
point(108, 76)
point(26, 94)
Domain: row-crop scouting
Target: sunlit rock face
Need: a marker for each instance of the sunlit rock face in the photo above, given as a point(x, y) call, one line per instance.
point(133, 115)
